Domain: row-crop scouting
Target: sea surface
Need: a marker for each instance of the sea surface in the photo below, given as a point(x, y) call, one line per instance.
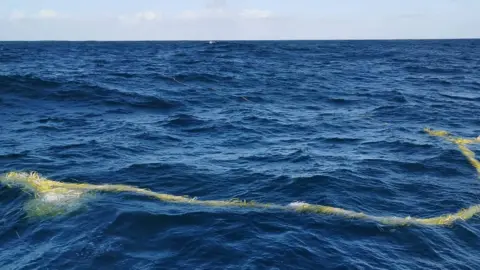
point(337, 123)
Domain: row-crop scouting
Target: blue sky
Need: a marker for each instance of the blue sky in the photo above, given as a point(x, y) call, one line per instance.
point(237, 19)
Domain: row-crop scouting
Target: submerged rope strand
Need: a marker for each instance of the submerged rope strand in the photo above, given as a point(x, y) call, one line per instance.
point(51, 190)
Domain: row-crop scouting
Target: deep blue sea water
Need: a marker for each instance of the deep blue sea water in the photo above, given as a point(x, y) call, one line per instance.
point(338, 123)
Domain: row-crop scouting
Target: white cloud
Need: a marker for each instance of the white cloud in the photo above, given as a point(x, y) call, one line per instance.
point(140, 16)
point(211, 13)
point(256, 13)
point(217, 4)
point(147, 15)
point(224, 13)
point(17, 15)
point(47, 13)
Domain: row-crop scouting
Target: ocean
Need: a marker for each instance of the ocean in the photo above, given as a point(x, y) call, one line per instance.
point(333, 123)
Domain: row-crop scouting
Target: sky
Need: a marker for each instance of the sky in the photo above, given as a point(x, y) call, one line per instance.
point(238, 19)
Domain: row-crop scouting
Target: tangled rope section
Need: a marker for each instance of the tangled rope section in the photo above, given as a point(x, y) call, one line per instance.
point(461, 143)
point(51, 196)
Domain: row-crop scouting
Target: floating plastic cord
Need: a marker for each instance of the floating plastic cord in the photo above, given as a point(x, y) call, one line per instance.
point(52, 197)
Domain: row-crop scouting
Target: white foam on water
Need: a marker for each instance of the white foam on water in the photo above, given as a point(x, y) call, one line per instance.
point(298, 204)
point(54, 197)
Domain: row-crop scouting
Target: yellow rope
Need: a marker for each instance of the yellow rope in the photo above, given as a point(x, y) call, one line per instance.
point(461, 143)
point(48, 189)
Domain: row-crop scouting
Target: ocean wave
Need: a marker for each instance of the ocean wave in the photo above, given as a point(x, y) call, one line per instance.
point(40, 89)
point(73, 146)
point(150, 136)
point(202, 77)
point(14, 156)
point(460, 96)
point(24, 84)
point(342, 101)
point(293, 156)
point(341, 140)
point(126, 75)
point(416, 69)
point(439, 81)
point(412, 167)
point(184, 120)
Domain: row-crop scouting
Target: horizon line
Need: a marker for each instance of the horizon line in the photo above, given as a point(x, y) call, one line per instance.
point(218, 40)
